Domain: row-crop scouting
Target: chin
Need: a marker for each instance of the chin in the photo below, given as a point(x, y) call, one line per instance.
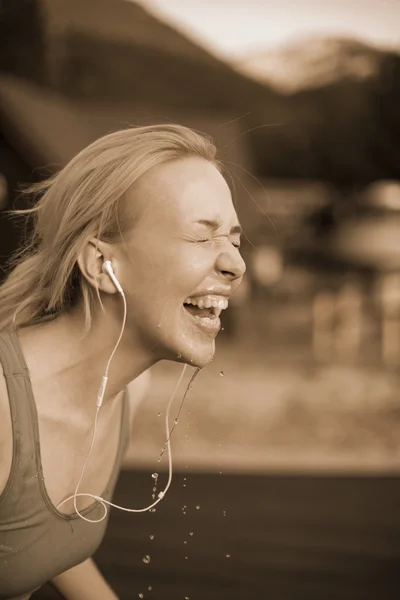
point(186, 342)
point(196, 355)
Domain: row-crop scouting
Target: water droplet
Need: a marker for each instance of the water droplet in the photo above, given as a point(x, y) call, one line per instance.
point(159, 414)
point(184, 479)
point(186, 557)
point(190, 532)
point(155, 475)
point(176, 421)
point(187, 598)
point(224, 513)
point(221, 373)
point(198, 507)
point(140, 595)
point(185, 542)
point(184, 485)
point(220, 444)
point(222, 328)
point(150, 588)
point(159, 459)
point(227, 555)
point(146, 559)
point(152, 537)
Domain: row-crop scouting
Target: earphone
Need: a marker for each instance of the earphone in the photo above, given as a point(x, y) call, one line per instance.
point(107, 268)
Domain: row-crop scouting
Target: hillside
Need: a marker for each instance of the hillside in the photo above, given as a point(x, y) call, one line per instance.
point(337, 121)
point(121, 52)
point(313, 63)
point(344, 122)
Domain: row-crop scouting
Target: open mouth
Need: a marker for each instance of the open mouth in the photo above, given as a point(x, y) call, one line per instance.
point(205, 311)
point(196, 311)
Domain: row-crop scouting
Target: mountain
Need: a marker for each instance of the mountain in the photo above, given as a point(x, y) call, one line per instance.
point(335, 117)
point(119, 21)
point(116, 51)
point(343, 122)
point(313, 63)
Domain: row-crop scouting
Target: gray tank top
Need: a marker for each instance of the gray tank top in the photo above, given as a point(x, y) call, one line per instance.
point(37, 541)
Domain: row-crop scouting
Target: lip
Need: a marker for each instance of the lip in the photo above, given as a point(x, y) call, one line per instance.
point(211, 328)
point(214, 291)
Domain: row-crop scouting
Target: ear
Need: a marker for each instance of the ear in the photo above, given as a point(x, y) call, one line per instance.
point(90, 261)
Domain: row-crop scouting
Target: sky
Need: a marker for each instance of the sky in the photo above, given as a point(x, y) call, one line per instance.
point(235, 28)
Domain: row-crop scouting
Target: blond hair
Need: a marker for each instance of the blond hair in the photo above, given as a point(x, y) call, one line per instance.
point(86, 199)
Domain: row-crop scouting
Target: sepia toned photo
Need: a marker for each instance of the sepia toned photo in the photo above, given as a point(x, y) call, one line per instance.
point(199, 300)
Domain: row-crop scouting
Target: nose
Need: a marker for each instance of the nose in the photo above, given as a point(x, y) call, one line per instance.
point(231, 265)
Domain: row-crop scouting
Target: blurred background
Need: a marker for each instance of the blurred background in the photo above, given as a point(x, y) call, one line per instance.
point(287, 450)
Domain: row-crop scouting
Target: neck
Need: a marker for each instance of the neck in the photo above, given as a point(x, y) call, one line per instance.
point(78, 364)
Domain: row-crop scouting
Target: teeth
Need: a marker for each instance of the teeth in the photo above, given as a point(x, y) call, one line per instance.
point(217, 302)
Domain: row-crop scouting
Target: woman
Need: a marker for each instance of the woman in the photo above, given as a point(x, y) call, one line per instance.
point(153, 201)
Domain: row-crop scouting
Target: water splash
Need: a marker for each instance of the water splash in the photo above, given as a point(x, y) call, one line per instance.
point(155, 477)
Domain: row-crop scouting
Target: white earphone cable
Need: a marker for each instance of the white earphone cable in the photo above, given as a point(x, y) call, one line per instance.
point(102, 389)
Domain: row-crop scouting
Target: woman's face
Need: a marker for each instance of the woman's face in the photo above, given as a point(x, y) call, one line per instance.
point(183, 248)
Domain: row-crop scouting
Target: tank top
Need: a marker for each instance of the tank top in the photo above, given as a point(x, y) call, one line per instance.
point(37, 541)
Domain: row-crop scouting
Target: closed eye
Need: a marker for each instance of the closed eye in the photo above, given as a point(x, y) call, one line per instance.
point(234, 244)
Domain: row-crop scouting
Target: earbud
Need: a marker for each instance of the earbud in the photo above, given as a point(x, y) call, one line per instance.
point(107, 268)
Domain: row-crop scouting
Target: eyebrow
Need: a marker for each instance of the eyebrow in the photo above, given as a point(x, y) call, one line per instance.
point(214, 225)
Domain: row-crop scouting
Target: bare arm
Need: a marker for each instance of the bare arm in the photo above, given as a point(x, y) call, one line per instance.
point(84, 582)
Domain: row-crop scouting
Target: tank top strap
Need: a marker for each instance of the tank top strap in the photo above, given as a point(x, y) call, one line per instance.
point(12, 358)
point(22, 409)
